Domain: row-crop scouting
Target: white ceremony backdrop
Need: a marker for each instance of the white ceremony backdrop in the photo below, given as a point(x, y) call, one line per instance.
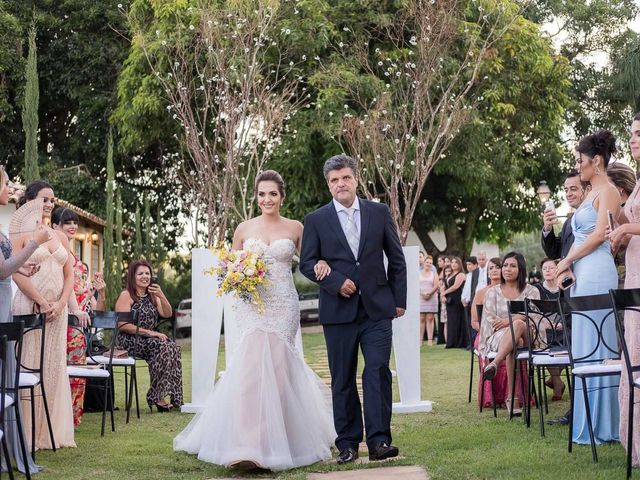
point(208, 310)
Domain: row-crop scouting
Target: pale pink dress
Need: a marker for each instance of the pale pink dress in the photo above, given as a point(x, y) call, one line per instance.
point(632, 329)
point(49, 281)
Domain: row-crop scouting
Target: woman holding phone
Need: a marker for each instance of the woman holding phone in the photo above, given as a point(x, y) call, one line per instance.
point(66, 221)
point(595, 273)
point(144, 298)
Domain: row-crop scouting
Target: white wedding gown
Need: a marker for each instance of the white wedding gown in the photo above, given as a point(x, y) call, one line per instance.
point(269, 407)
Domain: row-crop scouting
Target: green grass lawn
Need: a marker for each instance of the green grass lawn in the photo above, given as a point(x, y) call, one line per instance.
point(454, 441)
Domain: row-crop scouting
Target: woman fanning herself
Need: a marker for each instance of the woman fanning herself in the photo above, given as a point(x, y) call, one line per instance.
point(595, 273)
point(269, 409)
point(48, 291)
point(495, 317)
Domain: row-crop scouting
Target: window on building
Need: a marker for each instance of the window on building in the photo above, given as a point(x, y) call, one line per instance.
point(95, 257)
point(77, 248)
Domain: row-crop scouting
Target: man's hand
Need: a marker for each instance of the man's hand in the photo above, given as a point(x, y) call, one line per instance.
point(348, 288)
point(550, 219)
point(400, 312)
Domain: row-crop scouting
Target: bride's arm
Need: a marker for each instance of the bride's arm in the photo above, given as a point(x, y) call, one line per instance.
point(237, 237)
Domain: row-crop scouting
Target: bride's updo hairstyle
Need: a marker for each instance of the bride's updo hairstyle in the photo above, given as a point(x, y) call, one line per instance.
point(269, 176)
point(601, 143)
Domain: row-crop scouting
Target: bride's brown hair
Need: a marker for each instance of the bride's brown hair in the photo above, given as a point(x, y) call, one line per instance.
point(269, 176)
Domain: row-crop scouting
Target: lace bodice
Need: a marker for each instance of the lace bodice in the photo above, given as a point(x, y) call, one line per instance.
point(281, 313)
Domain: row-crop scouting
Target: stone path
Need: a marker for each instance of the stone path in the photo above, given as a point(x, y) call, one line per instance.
point(384, 473)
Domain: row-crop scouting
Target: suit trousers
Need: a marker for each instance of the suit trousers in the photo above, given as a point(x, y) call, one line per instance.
point(343, 340)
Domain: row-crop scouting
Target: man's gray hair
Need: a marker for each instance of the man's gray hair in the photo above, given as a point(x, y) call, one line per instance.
point(338, 162)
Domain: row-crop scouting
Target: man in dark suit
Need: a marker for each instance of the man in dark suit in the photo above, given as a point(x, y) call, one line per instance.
point(556, 247)
point(358, 300)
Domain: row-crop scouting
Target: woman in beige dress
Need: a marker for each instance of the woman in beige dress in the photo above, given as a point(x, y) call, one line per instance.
point(47, 292)
point(629, 233)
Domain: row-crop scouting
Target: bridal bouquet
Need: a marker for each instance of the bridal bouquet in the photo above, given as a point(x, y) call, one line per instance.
point(240, 273)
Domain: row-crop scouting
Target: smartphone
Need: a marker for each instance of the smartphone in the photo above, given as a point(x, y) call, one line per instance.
point(154, 280)
point(567, 282)
point(610, 219)
point(548, 205)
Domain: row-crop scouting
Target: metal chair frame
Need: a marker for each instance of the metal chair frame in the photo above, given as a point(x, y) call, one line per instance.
point(100, 322)
point(627, 300)
point(34, 323)
point(542, 349)
point(576, 307)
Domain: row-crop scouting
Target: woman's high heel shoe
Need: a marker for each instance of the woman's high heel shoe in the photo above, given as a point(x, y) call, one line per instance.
point(555, 397)
point(162, 408)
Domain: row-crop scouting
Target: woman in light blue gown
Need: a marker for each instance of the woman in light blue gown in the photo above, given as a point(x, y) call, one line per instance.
point(595, 273)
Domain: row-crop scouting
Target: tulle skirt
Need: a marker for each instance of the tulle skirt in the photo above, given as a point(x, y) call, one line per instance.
point(269, 408)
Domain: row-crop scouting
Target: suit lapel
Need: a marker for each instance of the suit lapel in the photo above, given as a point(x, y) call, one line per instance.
point(334, 222)
point(364, 224)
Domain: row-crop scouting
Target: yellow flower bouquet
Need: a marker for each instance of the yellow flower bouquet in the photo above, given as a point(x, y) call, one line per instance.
point(239, 273)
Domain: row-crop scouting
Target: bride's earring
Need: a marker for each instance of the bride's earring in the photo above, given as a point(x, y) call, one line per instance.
point(597, 170)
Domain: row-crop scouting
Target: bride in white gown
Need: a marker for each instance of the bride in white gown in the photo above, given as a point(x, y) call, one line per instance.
point(269, 409)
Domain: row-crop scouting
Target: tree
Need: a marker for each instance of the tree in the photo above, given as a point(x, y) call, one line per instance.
point(137, 251)
point(220, 67)
point(111, 276)
point(409, 89)
point(30, 112)
point(485, 188)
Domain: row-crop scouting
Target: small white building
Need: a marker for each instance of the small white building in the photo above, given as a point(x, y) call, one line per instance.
point(88, 244)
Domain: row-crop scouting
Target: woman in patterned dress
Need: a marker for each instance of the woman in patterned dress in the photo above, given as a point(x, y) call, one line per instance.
point(147, 301)
point(66, 221)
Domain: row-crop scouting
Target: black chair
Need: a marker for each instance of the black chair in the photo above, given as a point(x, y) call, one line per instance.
point(483, 362)
point(32, 376)
point(592, 364)
point(132, 388)
point(5, 401)
point(127, 363)
point(546, 348)
point(474, 353)
point(13, 332)
point(103, 326)
point(624, 301)
point(521, 358)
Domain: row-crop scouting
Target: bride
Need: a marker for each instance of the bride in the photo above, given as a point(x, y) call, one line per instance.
point(269, 410)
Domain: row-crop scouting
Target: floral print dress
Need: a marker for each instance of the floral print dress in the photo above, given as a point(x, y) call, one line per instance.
point(76, 341)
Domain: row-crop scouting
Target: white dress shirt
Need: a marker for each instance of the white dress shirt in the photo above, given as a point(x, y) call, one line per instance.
point(342, 214)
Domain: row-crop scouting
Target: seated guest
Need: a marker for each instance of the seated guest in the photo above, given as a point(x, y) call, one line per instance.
point(549, 290)
point(500, 386)
point(146, 300)
point(495, 316)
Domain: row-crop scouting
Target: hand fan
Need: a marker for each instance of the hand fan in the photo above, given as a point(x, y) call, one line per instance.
point(26, 219)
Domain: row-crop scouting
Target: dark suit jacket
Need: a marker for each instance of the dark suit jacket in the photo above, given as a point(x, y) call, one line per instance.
point(381, 291)
point(558, 247)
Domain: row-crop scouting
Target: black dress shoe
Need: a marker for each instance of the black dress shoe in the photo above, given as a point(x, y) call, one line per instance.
point(564, 420)
point(383, 450)
point(347, 455)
